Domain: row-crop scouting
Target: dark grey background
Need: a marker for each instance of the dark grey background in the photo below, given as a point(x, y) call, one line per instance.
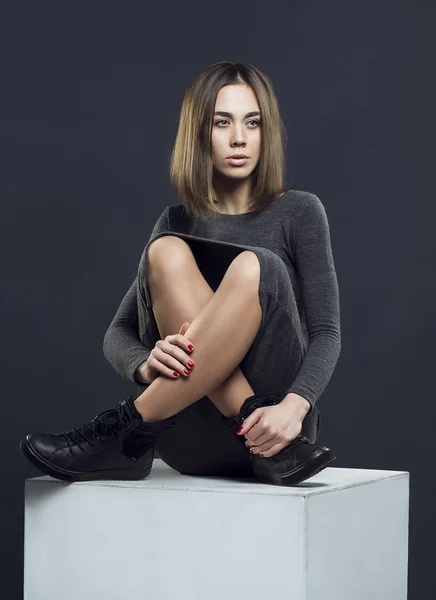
point(90, 100)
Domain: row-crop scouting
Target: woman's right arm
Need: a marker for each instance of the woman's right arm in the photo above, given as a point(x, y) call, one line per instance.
point(121, 344)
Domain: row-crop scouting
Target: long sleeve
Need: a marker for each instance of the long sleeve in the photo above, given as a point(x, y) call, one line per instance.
point(320, 294)
point(122, 345)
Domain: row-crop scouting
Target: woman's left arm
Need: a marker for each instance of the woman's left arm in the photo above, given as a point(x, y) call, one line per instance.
point(320, 294)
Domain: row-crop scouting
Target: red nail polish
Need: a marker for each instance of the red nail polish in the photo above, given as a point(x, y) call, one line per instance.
point(260, 454)
point(175, 374)
point(191, 347)
point(187, 372)
point(240, 429)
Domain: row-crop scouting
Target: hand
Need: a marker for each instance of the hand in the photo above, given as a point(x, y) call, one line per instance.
point(269, 429)
point(168, 356)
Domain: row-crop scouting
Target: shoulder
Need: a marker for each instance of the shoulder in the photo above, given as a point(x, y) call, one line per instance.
point(300, 201)
point(178, 218)
point(304, 208)
point(177, 210)
point(307, 216)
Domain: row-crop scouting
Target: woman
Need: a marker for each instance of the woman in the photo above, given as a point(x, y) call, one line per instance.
point(231, 329)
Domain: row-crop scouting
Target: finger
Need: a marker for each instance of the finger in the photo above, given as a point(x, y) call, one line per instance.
point(184, 327)
point(180, 340)
point(158, 366)
point(179, 354)
point(264, 439)
point(250, 421)
point(187, 344)
point(266, 447)
point(258, 434)
point(271, 451)
point(168, 362)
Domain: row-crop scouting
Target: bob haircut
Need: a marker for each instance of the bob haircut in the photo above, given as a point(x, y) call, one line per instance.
point(191, 168)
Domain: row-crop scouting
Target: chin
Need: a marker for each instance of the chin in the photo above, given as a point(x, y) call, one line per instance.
point(235, 172)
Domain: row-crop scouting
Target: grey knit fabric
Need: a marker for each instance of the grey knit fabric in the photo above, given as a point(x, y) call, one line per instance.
point(295, 227)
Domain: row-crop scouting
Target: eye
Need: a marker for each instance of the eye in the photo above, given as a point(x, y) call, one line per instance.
point(226, 121)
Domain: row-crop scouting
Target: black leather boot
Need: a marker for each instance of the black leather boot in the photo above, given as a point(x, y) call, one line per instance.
point(116, 444)
point(298, 461)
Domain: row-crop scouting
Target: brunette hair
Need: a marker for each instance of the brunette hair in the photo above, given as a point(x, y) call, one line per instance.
point(191, 166)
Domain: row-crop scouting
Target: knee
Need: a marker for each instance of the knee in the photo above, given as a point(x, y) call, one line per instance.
point(168, 251)
point(246, 267)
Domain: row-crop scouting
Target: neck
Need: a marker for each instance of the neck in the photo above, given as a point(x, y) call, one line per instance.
point(231, 196)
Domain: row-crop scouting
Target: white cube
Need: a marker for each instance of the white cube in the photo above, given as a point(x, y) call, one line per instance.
point(340, 535)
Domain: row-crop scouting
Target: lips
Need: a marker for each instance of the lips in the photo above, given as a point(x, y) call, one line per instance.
point(238, 156)
point(237, 161)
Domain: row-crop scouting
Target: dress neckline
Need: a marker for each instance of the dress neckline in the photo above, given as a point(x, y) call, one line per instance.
point(247, 214)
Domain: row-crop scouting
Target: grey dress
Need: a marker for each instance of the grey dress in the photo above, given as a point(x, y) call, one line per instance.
point(299, 340)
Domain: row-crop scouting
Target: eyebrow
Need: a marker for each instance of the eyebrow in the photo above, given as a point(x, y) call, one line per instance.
point(223, 113)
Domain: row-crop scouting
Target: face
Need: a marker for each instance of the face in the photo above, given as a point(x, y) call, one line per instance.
point(236, 132)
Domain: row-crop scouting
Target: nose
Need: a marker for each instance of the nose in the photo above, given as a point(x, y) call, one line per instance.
point(237, 142)
point(237, 137)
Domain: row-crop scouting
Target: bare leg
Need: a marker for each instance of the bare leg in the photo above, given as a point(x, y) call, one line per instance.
point(179, 291)
point(233, 308)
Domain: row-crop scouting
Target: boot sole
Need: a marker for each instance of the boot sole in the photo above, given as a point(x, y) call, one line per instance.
point(311, 467)
point(43, 465)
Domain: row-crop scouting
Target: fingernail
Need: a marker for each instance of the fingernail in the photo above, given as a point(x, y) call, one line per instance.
point(240, 429)
point(191, 347)
point(176, 374)
point(191, 364)
point(187, 372)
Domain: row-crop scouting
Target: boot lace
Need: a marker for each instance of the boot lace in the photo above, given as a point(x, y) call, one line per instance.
point(109, 422)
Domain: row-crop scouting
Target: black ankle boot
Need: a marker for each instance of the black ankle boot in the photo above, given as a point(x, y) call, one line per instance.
point(116, 444)
point(298, 461)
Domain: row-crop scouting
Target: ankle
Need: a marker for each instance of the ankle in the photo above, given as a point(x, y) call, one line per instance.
point(146, 414)
point(227, 415)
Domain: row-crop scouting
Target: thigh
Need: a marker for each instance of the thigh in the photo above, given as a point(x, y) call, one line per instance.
point(213, 258)
point(276, 355)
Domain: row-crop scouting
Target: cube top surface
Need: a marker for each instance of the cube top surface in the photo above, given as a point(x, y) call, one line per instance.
point(164, 477)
